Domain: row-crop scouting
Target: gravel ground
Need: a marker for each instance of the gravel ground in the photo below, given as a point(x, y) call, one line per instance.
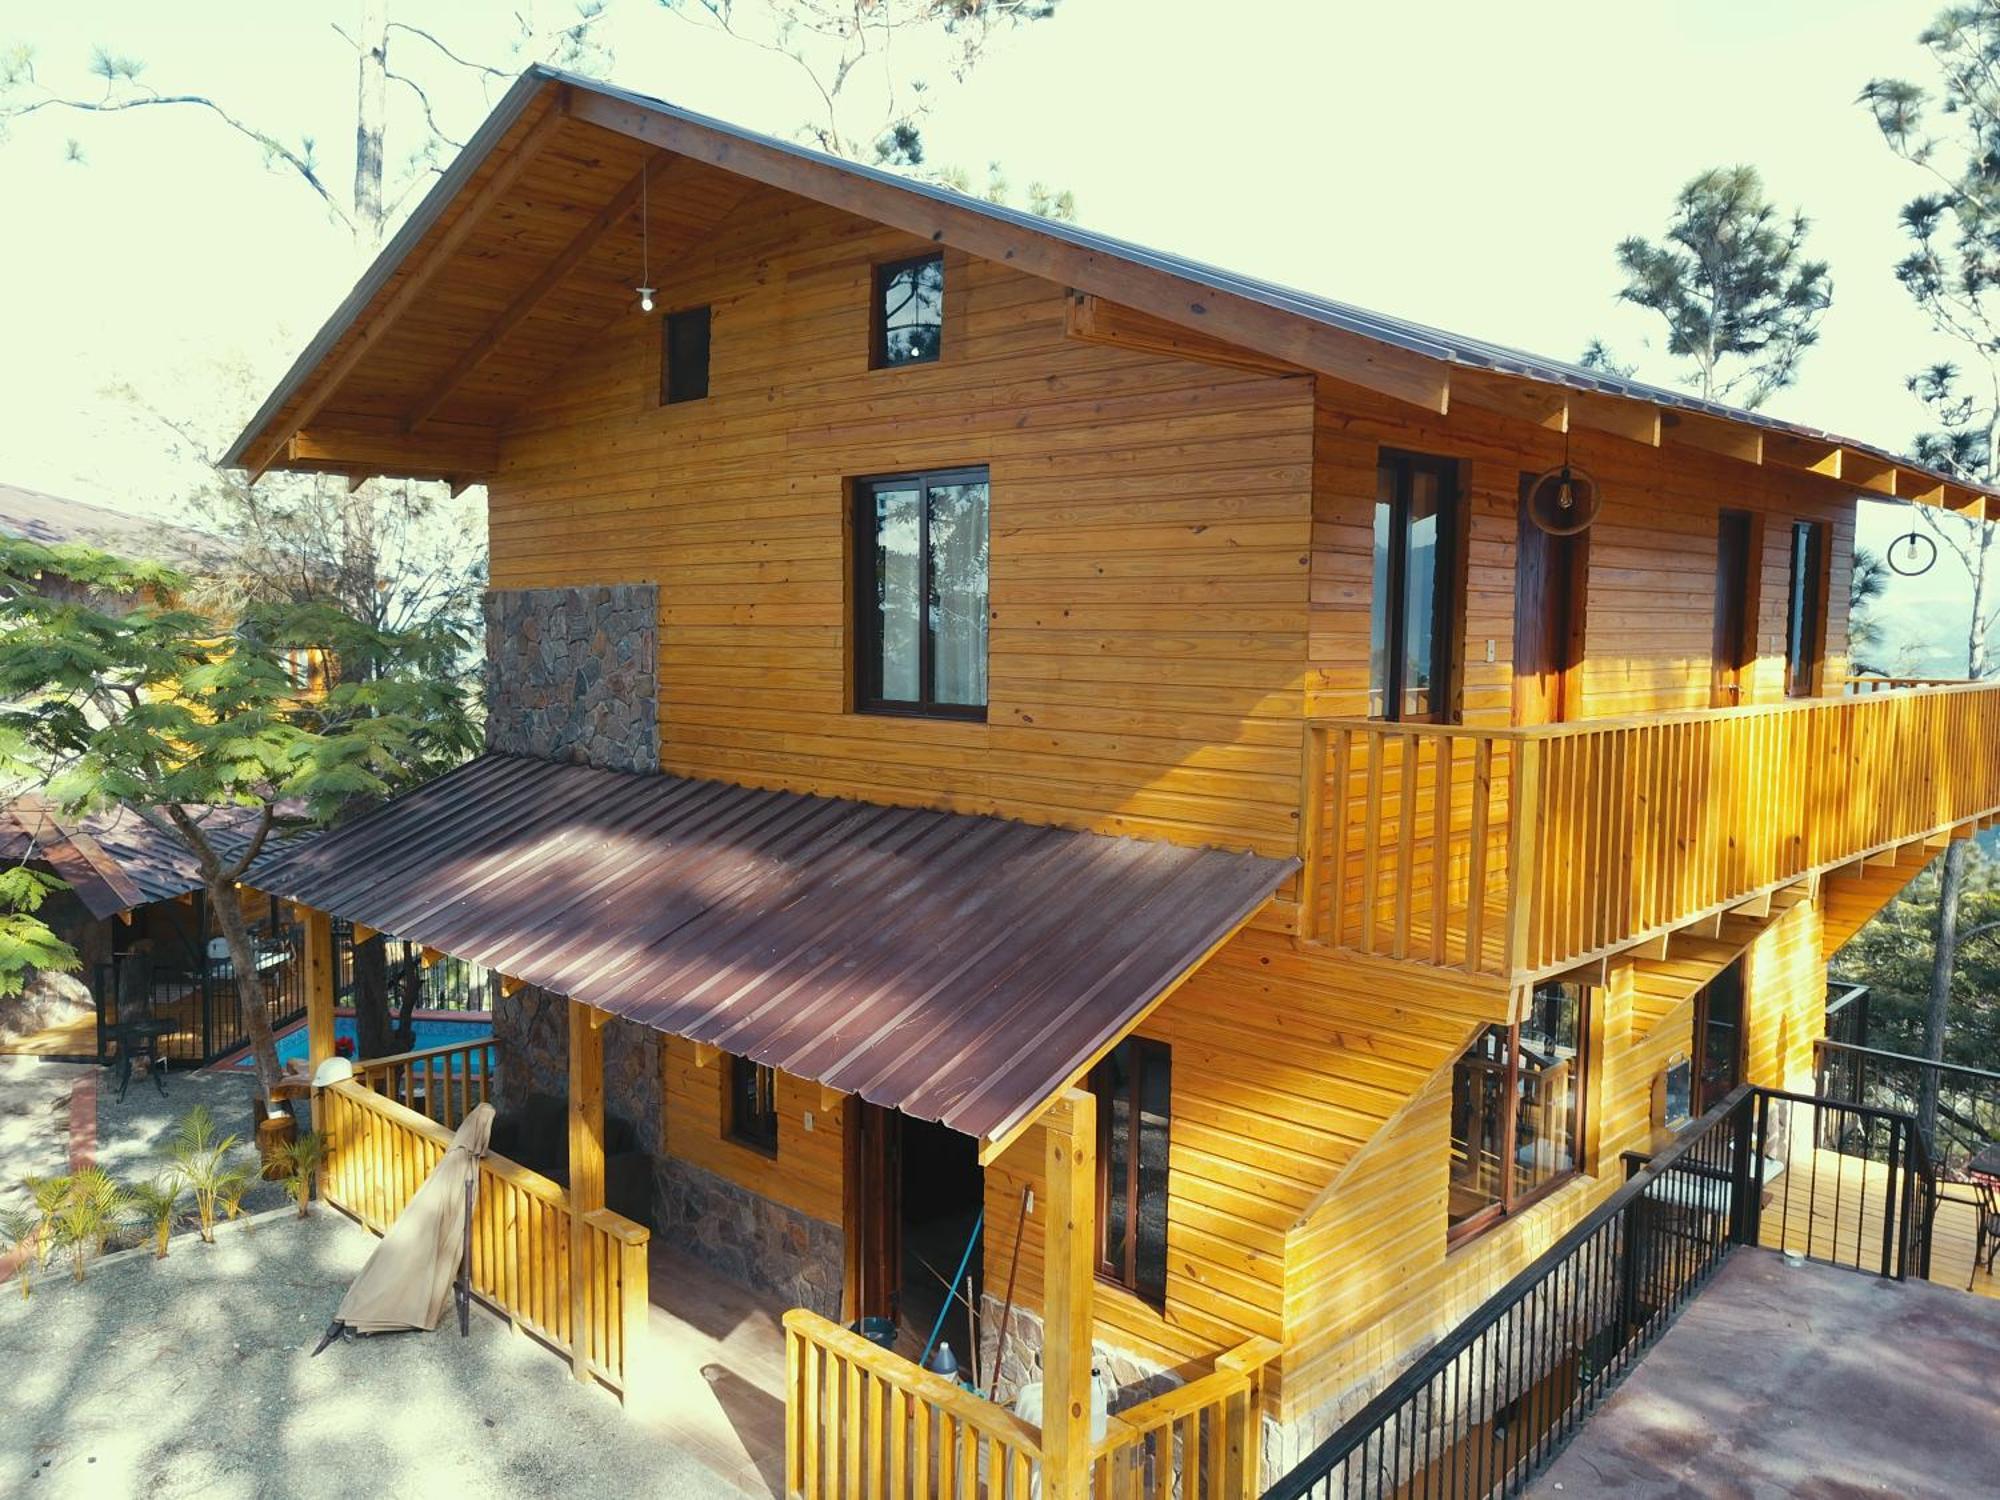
point(34, 1121)
point(191, 1377)
point(136, 1139)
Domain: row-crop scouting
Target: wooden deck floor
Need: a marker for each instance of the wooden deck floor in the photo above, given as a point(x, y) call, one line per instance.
point(1830, 1206)
point(718, 1373)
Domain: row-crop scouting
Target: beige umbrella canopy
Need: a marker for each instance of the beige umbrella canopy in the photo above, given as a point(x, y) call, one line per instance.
point(407, 1282)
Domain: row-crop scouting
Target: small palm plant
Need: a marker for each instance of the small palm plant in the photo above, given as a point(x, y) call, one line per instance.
point(155, 1206)
point(230, 1189)
point(19, 1226)
point(46, 1194)
point(203, 1163)
point(91, 1208)
point(303, 1159)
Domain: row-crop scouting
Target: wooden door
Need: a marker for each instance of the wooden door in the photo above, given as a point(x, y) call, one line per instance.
point(1735, 608)
point(1718, 1038)
point(873, 1210)
point(1551, 588)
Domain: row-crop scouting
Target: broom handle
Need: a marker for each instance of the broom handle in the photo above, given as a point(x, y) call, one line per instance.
point(1007, 1307)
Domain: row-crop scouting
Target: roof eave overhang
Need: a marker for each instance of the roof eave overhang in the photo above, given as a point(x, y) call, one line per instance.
point(1418, 367)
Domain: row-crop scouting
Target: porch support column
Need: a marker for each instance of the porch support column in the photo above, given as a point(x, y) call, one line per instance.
point(317, 929)
point(586, 1168)
point(1069, 1256)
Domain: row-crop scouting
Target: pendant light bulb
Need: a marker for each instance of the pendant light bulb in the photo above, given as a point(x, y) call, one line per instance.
point(645, 299)
point(1565, 491)
point(645, 246)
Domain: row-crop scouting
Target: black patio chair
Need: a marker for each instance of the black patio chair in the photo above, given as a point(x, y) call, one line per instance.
point(137, 1029)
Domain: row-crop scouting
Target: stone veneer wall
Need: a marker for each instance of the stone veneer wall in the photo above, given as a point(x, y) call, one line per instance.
point(1129, 1378)
point(572, 674)
point(760, 1243)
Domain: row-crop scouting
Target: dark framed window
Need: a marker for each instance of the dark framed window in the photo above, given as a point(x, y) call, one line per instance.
point(1805, 615)
point(753, 1105)
point(908, 324)
point(684, 355)
point(920, 545)
point(1134, 1086)
point(1517, 1110)
point(1413, 611)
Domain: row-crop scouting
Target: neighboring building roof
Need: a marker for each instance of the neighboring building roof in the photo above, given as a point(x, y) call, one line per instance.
point(115, 860)
point(958, 968)
point(51, 519)
point(1395, 355)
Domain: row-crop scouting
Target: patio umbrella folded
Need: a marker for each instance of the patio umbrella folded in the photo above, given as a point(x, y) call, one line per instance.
point(407, 1282)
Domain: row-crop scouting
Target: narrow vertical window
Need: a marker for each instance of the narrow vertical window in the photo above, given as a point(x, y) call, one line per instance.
point(908, 327)
point(1413, 616)
point(1805, 616)
point(684, 356)
point(1134, 1089)
point(1517, 1110)
point(753, 1105)
point(920, 544)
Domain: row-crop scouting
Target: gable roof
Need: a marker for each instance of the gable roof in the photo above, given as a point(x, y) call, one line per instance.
point(416, 370)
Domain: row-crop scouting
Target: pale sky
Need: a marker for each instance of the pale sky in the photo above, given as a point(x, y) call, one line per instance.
point(1466, 164)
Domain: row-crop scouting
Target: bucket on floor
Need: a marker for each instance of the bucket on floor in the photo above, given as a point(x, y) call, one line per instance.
point(879, 1331)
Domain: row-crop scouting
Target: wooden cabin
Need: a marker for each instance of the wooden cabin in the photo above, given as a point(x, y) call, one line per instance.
point(938, 522)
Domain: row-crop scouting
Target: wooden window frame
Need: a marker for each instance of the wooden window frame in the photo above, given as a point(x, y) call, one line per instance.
point(752, 1136)
point(878, 315)
point(1448, 617)
point(1124, 1273)
point(669, 395)
point(1803, 671)
point(1509, 1206)
point(867, 619)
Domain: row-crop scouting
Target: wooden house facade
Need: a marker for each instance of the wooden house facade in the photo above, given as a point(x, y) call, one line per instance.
point(894, 499)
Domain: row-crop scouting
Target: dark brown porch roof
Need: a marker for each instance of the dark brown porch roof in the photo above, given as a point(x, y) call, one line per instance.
point(958, 968)
point(113, 859)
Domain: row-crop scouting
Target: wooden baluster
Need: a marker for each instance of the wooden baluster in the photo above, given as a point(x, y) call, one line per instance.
point(1441, 841)
point(1475, 876)
point(1371, 838)
point(1335, 871)
point(1406, 842)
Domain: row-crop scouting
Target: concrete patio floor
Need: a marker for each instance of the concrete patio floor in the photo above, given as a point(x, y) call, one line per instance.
point(1802, 1381)
point(192, 1377)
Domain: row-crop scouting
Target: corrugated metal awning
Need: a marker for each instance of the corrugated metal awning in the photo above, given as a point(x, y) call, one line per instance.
point(960, 969)
point(113, 859)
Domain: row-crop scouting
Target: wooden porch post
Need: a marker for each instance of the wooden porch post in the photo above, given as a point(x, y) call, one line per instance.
point(318, 933)
point(586, 1166)
point(1069, 1254)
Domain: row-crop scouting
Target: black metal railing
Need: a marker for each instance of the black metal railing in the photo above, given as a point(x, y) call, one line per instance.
point(199, 1001)
point(1490, 1405)
point(443, 984)
point(1965, 1114)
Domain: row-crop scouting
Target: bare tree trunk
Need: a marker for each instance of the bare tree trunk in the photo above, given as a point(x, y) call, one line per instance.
point(1937, 1014)
point(228, 911)
point(371, 998)
point(370, 107)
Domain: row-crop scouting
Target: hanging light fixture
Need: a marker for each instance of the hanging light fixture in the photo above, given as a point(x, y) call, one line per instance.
point(645, 289)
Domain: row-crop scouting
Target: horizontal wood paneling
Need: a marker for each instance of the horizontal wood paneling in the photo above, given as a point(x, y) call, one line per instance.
point(806, 1172)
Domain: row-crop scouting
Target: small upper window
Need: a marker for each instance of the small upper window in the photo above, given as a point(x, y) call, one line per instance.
point(909, 311)
point(753, 1105)
point(1805, 614)
point(684, 356)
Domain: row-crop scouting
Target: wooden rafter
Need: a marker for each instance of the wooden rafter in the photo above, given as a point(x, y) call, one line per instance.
point(367, 334)
point(1638, 421)
point(1695, 429)
point(1547, 406)
point(532, 295)
point(1094, 320)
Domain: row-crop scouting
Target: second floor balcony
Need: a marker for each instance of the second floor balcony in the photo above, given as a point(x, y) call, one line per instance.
point(1513, 855)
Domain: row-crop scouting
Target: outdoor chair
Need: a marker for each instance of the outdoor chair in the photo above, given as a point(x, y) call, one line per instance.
point(137, 1029)
point(1986, 1238)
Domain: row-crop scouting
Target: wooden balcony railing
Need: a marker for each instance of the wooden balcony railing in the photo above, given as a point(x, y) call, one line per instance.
point(1514, 854)
point(1870, 683)
point(381, 1153)
point(863, 1423)
point(440, 1083)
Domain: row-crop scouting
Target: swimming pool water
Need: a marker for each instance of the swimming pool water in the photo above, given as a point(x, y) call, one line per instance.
point(428, 1033)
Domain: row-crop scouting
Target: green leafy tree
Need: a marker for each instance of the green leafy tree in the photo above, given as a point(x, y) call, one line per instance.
point(172, 712)
point(1730, 278)
point(1950, 134)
